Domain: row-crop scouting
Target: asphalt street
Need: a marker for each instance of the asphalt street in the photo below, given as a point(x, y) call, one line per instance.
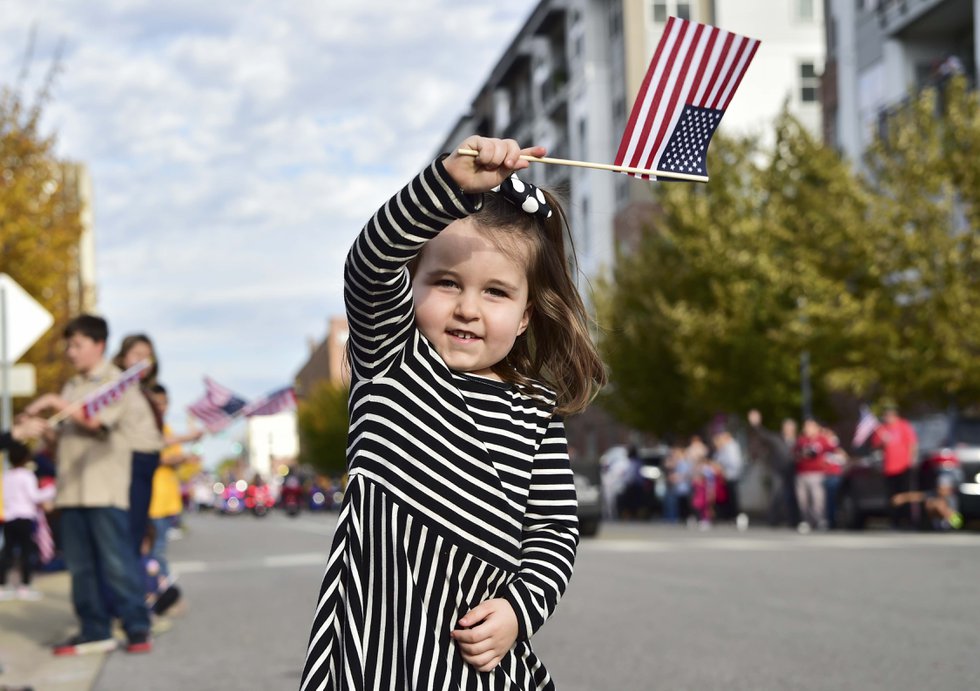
point(650, 607)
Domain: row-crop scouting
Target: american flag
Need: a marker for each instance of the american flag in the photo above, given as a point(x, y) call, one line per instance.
point(217, 407)
point(866, 426)
point(109, 393)
point(689, 84)
point(270, 404)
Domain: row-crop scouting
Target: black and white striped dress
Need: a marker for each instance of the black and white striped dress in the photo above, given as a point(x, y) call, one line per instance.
point(460, 489)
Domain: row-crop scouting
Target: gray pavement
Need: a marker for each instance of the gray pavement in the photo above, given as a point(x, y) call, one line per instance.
point(650, 607)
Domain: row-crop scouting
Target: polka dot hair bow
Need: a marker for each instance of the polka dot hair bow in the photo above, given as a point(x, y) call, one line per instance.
point(524, 195)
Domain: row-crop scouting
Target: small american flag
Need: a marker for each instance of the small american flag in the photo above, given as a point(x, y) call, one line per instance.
point(866, 426)
point(270, 404)
point(689, 84)
point(109, 393)
point(217, 407)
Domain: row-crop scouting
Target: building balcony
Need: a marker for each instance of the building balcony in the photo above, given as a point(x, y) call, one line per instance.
point(924, 19)
point(940, 82)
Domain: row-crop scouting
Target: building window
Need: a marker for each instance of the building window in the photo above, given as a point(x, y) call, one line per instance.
point(616, 21)
point(804, 10)
point(619, 108)
point(583, 133)
point(663, 8)
point(809, 83)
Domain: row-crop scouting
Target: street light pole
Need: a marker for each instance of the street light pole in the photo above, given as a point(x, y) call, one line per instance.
point(805, 390)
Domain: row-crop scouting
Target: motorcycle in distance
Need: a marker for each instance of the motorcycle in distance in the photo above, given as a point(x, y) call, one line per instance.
point(258, 497)
point(291, 496)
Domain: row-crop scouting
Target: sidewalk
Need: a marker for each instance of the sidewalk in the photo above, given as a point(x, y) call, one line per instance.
point(27, 632)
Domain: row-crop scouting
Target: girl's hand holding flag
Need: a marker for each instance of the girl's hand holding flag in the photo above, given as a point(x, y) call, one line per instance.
point(494, 162)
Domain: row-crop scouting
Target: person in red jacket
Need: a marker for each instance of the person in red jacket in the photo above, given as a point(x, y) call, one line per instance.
point(810, 454)
point(900, 447)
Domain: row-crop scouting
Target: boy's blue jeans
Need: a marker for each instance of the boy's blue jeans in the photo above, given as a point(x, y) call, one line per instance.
point(96, 541)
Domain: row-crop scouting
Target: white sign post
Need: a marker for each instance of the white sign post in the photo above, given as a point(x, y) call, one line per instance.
point(22, 321)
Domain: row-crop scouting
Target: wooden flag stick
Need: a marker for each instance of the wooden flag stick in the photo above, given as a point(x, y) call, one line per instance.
point(66, 412)
point(601, 166)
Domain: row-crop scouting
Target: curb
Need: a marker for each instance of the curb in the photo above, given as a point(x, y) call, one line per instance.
point(27, 632)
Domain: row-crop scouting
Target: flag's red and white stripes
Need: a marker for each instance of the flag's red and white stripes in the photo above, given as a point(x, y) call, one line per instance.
point(866, 426)
point(113, 391)
point(694, 64)
point(275, 402)
point(218, 407)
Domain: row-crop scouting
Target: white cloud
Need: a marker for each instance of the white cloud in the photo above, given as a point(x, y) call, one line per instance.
point(237, 147)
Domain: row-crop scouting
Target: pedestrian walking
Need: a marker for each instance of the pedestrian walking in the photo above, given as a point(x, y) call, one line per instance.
point(94, 468)
point(468, 343)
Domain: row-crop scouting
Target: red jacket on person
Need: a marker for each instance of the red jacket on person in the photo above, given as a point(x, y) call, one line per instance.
point(811, 453)
point(897, 439)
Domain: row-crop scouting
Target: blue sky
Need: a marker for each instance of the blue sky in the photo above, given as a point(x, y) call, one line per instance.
point(236, 147)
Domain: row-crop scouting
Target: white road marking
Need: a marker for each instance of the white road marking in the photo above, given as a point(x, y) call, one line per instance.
point(279, 561)
point(749, 544)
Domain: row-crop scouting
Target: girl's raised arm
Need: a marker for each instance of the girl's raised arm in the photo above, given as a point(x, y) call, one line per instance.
point(377, 288)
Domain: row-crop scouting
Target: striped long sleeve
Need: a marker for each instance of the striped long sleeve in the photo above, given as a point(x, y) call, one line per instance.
point(377, 289)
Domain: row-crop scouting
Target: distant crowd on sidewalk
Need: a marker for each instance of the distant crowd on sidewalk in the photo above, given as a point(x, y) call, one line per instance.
point(96, 492)
point(701, 483)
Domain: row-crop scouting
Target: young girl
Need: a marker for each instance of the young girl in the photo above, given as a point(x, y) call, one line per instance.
point(142, 426)
point(21, 499)
point(468, 342)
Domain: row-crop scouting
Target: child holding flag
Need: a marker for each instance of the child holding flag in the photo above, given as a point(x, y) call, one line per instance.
point(468, 343)
point(93, 461)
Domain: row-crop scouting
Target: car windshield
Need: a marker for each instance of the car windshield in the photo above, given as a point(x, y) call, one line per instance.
point(968, 432)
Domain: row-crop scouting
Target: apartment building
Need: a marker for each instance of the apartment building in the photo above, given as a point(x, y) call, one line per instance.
point(880, 51)
point(567, 81)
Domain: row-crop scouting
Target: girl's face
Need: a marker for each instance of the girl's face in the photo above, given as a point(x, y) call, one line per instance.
point(471, 299)
point(137, 352)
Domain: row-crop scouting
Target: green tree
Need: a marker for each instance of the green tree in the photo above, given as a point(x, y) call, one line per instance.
point(731, 283)
point(876, 275)
point(926, 173)
point(323, 422)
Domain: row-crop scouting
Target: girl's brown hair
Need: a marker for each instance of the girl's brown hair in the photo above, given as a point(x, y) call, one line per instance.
point(556, 349)
point(150, 377)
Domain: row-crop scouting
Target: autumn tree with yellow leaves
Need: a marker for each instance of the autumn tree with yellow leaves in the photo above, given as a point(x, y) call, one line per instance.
point(40, 226)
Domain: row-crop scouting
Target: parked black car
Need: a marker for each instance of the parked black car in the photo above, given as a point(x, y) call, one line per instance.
point(588, 488)
point(641, 495)
point(948, 442)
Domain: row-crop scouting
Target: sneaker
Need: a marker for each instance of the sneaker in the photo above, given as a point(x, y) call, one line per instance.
point(7, 593)
point(139, 643)
point(28, 593)
point(76, 645)
point(803, 528)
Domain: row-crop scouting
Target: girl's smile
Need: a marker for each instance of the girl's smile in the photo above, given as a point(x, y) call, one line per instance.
point(471, 299)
